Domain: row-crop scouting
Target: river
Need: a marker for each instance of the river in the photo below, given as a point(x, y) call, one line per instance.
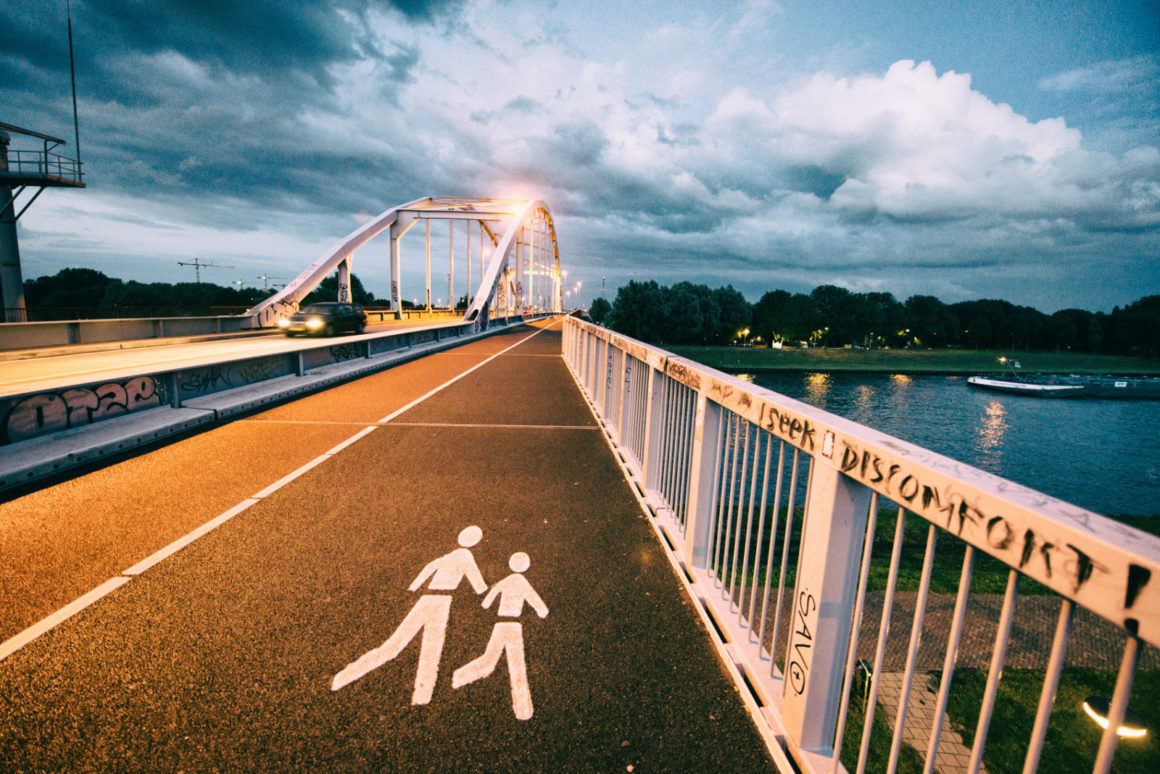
point(1103, 455)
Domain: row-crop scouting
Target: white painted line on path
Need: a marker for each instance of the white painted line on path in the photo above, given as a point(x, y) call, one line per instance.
point(286, 479)
point(450, 382)
point(182, 542)
point(18, 641)
point(15, 643)
point(360, 434)
point(296, 422)
point(492, 427)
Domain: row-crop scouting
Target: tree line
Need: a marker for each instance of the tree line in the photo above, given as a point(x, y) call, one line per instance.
point(831, 316)
point(88, 293)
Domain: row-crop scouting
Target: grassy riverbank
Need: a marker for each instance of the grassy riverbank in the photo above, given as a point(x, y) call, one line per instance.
point(940, 361)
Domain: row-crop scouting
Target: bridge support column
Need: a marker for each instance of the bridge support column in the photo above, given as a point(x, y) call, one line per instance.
point(520, 258)
point(11, 279)
point(344, 292)
point(427, 223)
point(822, 607)
point(396, 304)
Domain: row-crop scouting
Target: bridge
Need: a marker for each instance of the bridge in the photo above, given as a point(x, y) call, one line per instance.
point(269, 554)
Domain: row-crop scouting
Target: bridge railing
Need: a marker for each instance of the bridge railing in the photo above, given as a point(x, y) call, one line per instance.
point(775, 512)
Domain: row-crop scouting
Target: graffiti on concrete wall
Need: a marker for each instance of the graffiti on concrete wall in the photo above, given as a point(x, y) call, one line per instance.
point(49, 412)
point(210, 379)
point(341, 352)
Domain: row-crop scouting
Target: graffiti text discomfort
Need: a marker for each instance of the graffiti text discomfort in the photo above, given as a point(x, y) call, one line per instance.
point(1030, 552)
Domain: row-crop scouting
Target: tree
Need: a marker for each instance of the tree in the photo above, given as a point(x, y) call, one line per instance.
point(68, 288)
point(932, 323)
point(638, 311)
point(734, 313)
point(327, 290)
point(600, 310)
point(1135, 329)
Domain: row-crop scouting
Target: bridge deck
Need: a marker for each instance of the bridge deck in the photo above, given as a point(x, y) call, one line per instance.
point(221, 655)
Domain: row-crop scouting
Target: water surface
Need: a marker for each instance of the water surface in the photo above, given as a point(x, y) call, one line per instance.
point(1103, 455)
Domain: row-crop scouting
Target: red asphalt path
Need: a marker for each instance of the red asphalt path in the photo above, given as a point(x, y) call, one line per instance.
point(219, 653)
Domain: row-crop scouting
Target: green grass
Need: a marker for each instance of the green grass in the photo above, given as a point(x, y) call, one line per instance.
point(1072, 737)
point(940, 361)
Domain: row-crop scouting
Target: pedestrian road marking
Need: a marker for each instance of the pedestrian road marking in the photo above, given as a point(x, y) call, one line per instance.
point(430, 616)
point(19, 640)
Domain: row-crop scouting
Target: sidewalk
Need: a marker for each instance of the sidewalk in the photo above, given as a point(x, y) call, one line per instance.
point(224, 655)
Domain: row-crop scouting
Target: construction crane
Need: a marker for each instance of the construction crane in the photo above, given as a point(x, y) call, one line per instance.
point(197, 263)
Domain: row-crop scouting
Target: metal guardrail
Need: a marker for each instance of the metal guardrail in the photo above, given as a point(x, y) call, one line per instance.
point(33, 165)
point(771, 509)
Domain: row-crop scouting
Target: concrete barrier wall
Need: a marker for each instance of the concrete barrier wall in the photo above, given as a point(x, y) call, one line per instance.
point(33, 415)
point(64, 332)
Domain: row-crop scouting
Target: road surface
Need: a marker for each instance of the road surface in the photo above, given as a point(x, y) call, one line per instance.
point(222, 655)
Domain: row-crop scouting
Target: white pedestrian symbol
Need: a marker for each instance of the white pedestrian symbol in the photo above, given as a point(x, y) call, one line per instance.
point(429, 614)
point(507, 636)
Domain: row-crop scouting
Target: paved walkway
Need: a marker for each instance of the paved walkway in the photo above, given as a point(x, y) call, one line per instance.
point(226, 654)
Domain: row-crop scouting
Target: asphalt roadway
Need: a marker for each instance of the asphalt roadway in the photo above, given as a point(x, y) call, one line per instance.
point(77, 364)
point(221, 656)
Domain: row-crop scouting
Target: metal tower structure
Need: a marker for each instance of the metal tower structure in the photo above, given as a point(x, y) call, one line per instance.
point(22, 170)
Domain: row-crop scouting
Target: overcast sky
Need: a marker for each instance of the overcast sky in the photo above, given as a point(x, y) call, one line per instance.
point(963, 150)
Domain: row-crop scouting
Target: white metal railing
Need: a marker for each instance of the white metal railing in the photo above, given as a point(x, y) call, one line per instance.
point(772, 510)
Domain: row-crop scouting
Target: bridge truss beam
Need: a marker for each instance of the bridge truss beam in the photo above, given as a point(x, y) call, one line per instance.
point(515, 245)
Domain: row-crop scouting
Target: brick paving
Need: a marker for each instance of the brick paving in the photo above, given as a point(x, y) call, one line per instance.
point(952, 755)
point(1094, 642)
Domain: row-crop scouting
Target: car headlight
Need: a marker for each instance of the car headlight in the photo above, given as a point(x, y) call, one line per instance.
point(283, 323)
point(315, 323)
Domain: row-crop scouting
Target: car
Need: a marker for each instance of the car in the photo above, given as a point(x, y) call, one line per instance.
point(325, 319)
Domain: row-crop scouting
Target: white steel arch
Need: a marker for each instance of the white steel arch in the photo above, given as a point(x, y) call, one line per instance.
point(519, 259)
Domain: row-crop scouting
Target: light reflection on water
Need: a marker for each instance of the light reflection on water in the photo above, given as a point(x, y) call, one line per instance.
point(989, 444)
point(1103, 455)
point(817, 387)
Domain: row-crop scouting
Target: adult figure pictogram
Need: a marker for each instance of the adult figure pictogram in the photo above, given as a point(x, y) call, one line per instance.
point(429, 615)
point(507, 636)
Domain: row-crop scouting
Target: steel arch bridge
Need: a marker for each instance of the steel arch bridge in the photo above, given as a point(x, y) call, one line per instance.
point(516, 251)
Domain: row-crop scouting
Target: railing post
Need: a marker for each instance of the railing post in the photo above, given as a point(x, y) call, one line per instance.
point(654, 409)
point(822, 606)
point(703, 465)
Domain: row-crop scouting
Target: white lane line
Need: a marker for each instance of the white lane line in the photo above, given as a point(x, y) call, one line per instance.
point(15, 643)
point(298, 422)
point(360, 434)
point(182, 542)
point(508, 427)
point(450, 382)
point(286, 479)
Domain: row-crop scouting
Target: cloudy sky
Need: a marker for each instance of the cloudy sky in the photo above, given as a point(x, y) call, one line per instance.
point(963, 150)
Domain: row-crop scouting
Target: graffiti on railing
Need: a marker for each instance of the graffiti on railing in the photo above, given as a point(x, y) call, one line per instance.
point(803, 641)
point(50, 412)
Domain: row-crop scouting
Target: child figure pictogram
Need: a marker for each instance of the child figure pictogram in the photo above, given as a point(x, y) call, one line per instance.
point(429, 615)
point(507, 636)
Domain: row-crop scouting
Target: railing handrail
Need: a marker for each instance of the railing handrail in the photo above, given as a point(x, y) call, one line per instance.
point(1102, 557)
point(691, 439)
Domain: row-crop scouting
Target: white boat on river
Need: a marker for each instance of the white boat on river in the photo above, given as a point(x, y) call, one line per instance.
point(1122, 388)
point(1020, 387)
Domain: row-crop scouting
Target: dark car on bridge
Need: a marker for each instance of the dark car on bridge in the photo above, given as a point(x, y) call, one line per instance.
point(325, 319)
